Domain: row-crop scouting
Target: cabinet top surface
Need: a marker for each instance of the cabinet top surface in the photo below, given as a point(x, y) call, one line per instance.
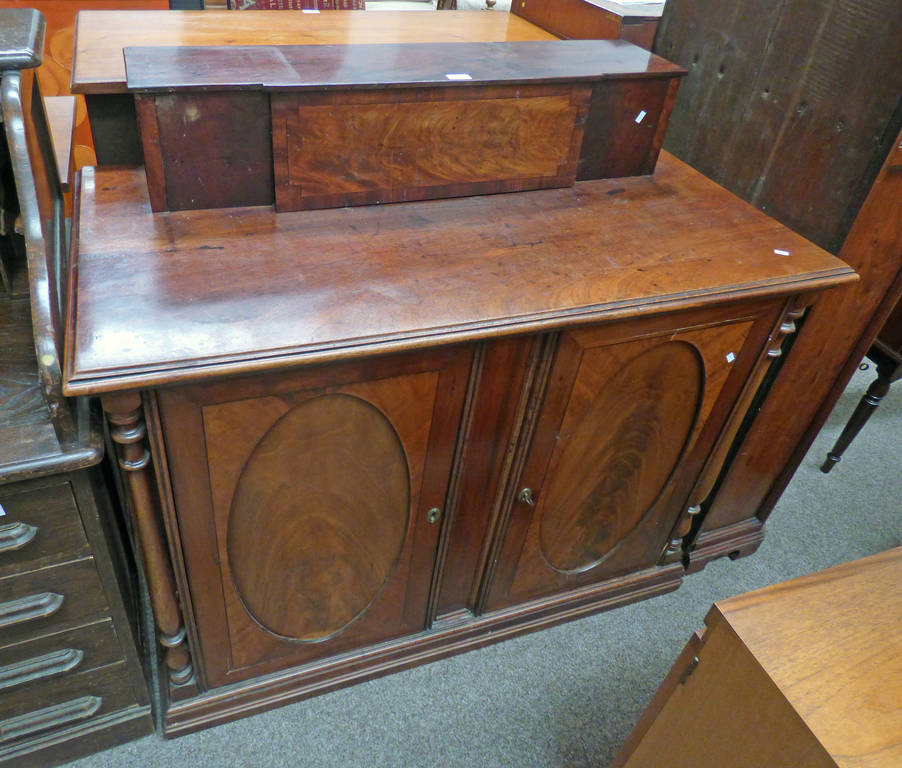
point(100, 36)
point(159, 298)
point(318, 67)
point(832, 643)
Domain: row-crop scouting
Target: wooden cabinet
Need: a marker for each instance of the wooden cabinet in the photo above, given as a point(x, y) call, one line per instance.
point(310, 505)
point(358, 439)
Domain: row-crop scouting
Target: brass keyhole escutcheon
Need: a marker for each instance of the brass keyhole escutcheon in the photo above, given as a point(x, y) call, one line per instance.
point(526, 497)
point(433, 515)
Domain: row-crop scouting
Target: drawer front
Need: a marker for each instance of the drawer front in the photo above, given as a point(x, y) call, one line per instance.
point(38, 527)
point(50, 600)
point(56, 656)
point(52, 705)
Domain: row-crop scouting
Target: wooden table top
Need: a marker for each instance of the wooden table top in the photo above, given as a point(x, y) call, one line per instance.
point(157, 298)
point(832, 643)
point(100, 36)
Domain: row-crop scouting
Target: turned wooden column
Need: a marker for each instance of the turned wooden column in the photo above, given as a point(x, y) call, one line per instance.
point(784, 328)
point(127, 428)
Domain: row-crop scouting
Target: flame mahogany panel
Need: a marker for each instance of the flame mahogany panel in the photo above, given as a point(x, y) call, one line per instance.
point(502, 142)
point(628, 416)
point(302, 501)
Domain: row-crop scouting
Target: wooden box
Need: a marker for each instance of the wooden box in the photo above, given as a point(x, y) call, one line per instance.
point(327, 126)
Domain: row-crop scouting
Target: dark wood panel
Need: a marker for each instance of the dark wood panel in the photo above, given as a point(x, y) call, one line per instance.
point(99, 65)
point(494, 429)
point(207, 150)
point(108, 684)
point(364, 66)
point(625, 127)
point(94, 646)
point(503, 141)
point(54, 529)
point(77, 584)
point(297, 286)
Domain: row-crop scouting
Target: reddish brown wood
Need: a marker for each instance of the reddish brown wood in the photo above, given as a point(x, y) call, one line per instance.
point(400, 146)
point(433, 272)
point(624, 416)
point(363, 124)
point(322, 585)
point(570, 18)
point(625, 127)
point(278, 689)
point(125, 414)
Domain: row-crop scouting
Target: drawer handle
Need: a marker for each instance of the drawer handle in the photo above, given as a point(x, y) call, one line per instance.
point(40, 667)
point(28, 608)
point(15, 536)
point(49, 717)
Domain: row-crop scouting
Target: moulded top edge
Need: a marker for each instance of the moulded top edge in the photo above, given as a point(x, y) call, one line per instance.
point(319, 67)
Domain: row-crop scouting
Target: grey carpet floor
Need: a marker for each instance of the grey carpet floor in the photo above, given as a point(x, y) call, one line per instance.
point(568, 696)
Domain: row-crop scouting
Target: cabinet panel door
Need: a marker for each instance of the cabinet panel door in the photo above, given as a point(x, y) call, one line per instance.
point(628, 415)
point(302, 502)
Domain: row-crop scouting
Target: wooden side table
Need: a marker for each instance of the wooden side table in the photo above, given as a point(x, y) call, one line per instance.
point(803, 673)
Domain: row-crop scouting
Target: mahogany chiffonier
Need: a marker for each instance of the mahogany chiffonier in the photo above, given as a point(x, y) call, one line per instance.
point(71, 678)
point(357, 439)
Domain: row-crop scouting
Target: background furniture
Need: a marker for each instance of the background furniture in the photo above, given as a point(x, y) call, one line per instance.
point(775, 112)
point(801, 673)
point(593, 19)
point(70, 675)
point(886, 352)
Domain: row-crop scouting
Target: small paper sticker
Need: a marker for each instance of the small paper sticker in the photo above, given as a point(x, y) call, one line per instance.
point(781, 252)
point(730, 357)
point(459, 76)
point(309, 10)
point(641, 116)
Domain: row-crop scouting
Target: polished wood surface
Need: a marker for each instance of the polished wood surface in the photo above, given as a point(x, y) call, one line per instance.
point(801, 673)
point(625, 415)
point(100, 37)
point(150, 318)
point(365, 124)
point(362, 67)
point(385, 147)
point(344, 556)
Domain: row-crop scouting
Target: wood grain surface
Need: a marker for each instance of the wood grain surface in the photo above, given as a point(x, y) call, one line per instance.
point(832, 644)
point(302, 500)
point(627, 417)
point(803, 673)
point(101, 36)
point(160, 298)
point(306, 67)
point(504, 138)
point(333, 478)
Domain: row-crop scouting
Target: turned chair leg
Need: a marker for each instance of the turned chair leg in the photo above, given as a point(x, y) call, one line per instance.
point(866, 406)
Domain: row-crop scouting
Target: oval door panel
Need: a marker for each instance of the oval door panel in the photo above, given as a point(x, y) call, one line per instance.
point(319, 517)
point(617, 461)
